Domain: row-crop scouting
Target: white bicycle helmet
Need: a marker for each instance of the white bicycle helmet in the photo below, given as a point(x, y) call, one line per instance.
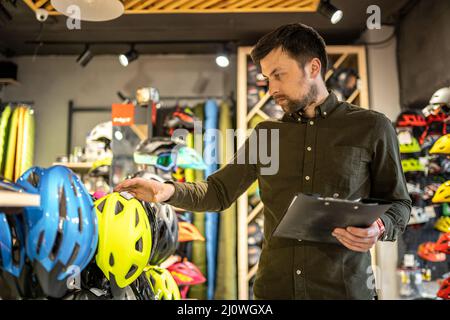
point(101, 132)
point(418, 216)
point(441, 96)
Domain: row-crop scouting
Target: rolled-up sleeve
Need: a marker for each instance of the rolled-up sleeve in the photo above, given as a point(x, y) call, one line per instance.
point(388, 180)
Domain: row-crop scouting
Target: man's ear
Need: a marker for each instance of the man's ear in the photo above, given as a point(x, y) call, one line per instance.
point(314, 68)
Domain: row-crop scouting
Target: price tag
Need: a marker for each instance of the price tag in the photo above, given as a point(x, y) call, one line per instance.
point(404, 137)
point(409, 261)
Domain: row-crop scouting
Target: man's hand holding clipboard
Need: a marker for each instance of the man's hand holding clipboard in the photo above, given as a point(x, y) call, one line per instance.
point(359, 239)
point(354, 224)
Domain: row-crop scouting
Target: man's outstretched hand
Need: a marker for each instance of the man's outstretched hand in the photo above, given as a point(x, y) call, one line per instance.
point(146, 190)
point(358, 239)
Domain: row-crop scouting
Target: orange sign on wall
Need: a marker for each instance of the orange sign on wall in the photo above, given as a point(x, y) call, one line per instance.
point(122, 114)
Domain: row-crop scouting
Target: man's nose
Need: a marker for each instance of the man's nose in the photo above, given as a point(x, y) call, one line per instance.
point(273, 89)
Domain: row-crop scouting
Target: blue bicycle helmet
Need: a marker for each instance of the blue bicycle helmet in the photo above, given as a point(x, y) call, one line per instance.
point(16, 277)
point(12, 255)
point(62, 233)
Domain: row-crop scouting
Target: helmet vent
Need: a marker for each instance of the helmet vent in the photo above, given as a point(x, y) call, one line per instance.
point(74, 255)
point(137, 218)
point(16, 242)
point(33, 179)
point(80, 220)
point(111, 259)
point(57, 245)
point(138, 245)
point(40, 240)
point(62, 217)
point(132, 271)
point(62, 207)
point(119, 208)
point(101, 205)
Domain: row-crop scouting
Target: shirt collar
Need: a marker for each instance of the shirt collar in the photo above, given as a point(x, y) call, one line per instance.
point(323, 110)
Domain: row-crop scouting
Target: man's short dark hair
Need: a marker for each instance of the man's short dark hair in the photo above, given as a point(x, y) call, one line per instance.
point(299, 41)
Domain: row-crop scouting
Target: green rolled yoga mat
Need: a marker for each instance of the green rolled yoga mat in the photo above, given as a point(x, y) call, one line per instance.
point(4, 130)
point(226, 274)
point(11, 145)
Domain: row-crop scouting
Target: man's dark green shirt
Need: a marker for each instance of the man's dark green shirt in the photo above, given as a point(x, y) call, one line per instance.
point(344, 152)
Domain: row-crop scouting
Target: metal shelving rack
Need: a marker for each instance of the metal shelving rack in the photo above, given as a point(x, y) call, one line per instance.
point(339, 56)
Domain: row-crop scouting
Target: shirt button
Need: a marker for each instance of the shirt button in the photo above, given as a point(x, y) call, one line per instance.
point(324, 113)
point(299, 272)
point(299, 240)
point(309, 148)
point(335, 195)
point(311, 122)
point(307, 178)
point(299, 119)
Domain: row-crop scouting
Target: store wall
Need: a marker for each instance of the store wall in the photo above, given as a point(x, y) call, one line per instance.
point(384, 94)
point(424, 35)
point(384, 91)
point(52, 81)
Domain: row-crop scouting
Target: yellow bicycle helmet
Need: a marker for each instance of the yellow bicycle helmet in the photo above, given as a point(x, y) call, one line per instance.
point(412, 165)
point(412, 147)
point(125, 238)
point(101, 166)
point(442, 193)
point(443, 224)
point(441, 146)
point(163, 284)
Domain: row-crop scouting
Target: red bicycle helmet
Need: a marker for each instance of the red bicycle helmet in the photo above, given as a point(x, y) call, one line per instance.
point(180, 118)
point(440, 117)
point(433, 126)
point(444, 290)
point(443, 243)
point(410, 119)
point(427, 251)
point(186, 273)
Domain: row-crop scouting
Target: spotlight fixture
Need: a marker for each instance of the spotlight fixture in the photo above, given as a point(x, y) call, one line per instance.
point(85, 57)
point(330, 11)
point(222, 58)
point(128, 57)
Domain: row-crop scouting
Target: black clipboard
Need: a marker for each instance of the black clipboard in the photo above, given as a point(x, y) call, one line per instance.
point(313, 218)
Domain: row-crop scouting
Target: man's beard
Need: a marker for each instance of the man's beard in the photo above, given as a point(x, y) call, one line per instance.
point(299, 105)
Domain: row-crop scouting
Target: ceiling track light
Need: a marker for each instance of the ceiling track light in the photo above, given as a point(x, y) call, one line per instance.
point(222, 59)
point(85, 57)
point(126, 58)
point(330, 11)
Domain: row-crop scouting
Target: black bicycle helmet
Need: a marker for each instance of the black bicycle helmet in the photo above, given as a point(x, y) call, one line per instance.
point(149, 207)
point(142, 288)
point(164, 223)
point(16, 276)
point(166, 232)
